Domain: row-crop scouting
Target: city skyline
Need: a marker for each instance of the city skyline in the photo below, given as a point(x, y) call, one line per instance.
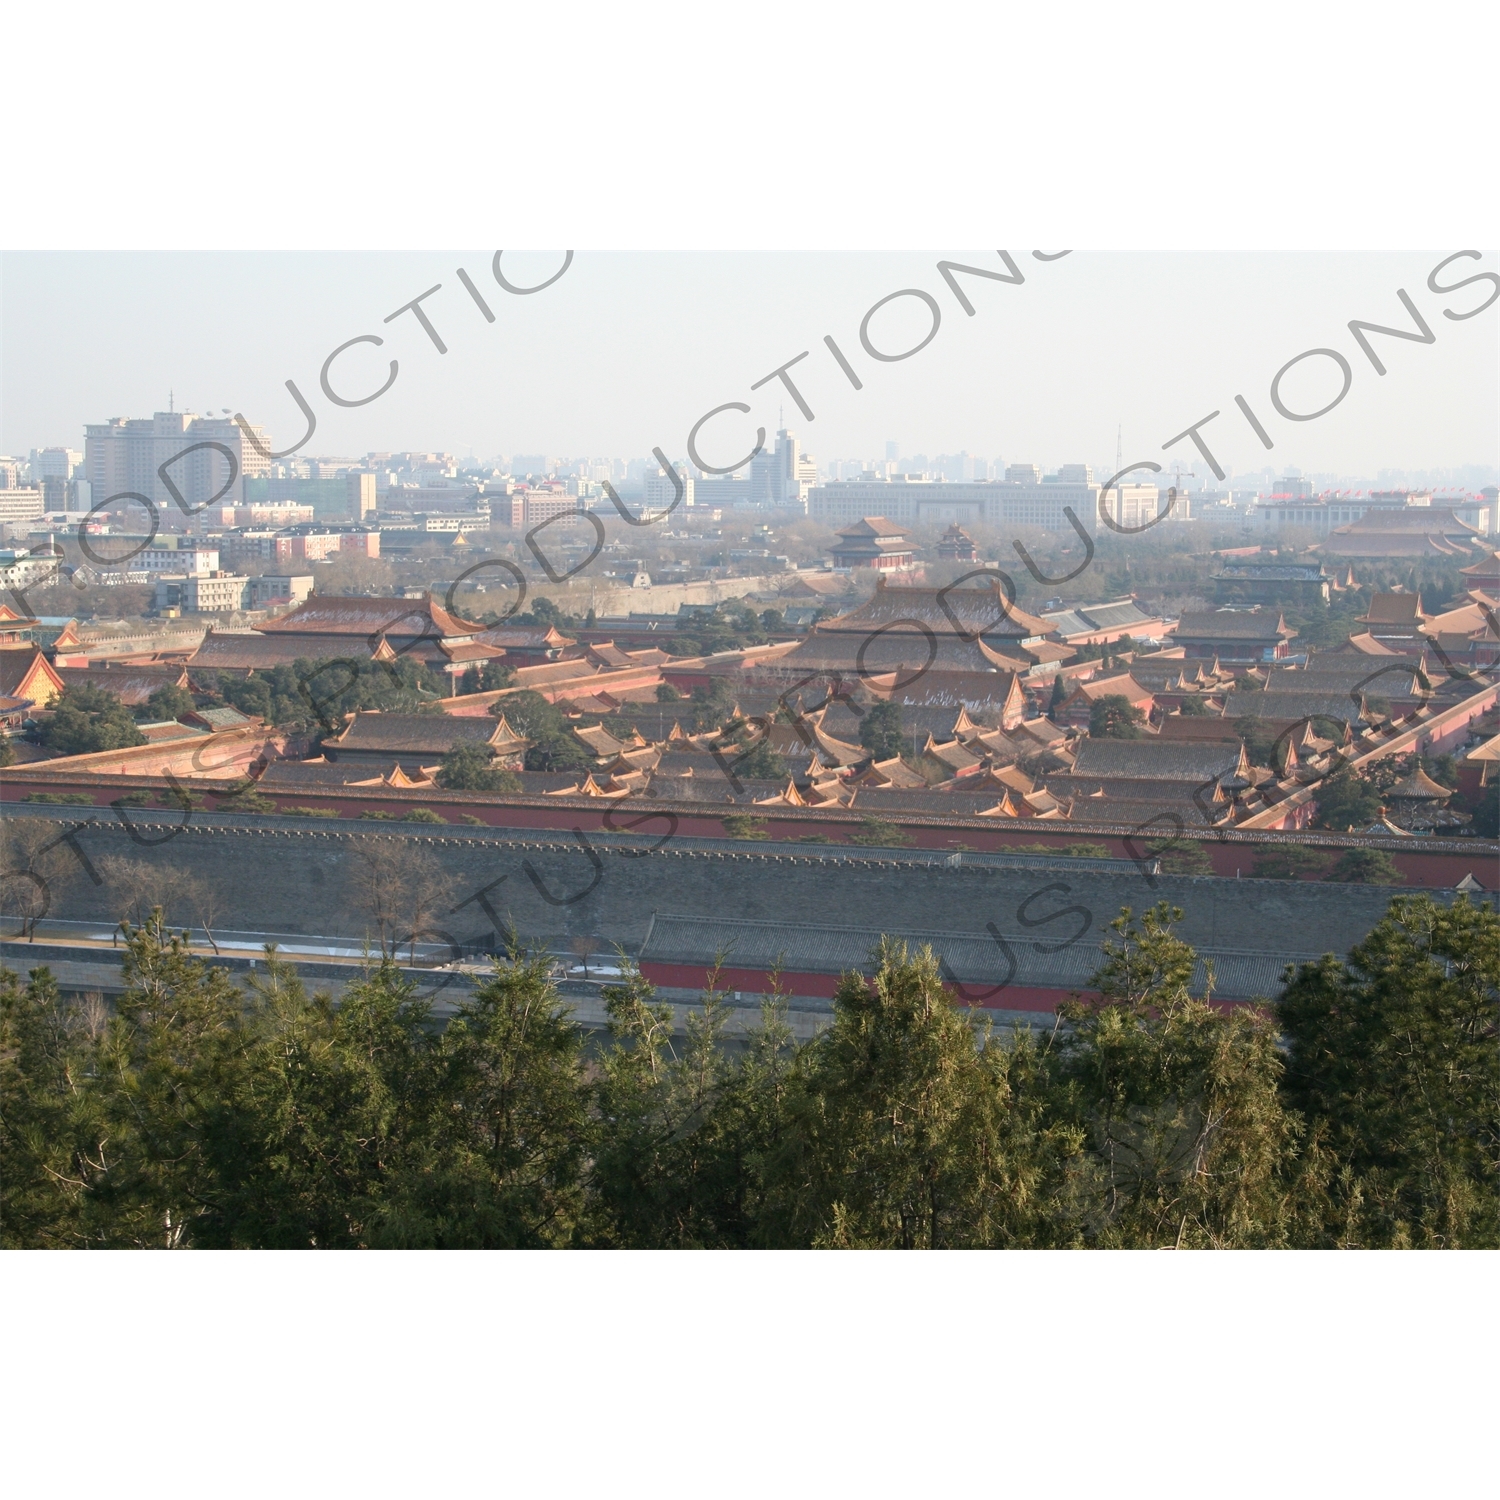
point(626, 352)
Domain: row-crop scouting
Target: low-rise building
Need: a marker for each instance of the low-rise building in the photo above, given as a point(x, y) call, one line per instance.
point(1240, 582)
point(1234, 635)
point(196, 594)
point(873, 542)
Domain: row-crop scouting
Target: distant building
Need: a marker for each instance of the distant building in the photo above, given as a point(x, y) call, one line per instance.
point(1033, 502)
point(54, 463)
point(352, 628)
point(179, 554)
point(1271, 583)
point(212, 457)
point(201, 594)
point(1232, 635)
point(873, 542)
point(1099, 624)
point(1395, 620)
point(1427, 531)
point(956, 545)
point(18, 506)
point(270, 589)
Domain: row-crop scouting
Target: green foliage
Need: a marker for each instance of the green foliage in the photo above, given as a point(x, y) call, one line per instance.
point(758, 762)
point(712, 705)
point(423, 815)
point(666, 693)
point(1345, 800)
point(311, 812)
point(468, 768)
point(689, 1138)
point(167, 702)
point(1195, 708)
point(901, 1134)
point(553, 747)
point(1365, 867)
point(1288, 862)
point(181, 798)
point(132, 799)
point(247, 801)
point(1178, 1102)
point(1394, 1062)
point(66, 799)
point(1078, 851)
point(742, 826)
point(1260, 742)
point(86, 719)
point(319, 694)
point(486, 677)
point(882, 834)
point(1114, 718)
point(1487, 812)
point(7, 751)
point(1443, 769)
point(472, 820)
point(199, 1112)
point(880, 731)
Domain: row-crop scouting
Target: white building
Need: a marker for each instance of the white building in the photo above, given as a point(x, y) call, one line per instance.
point(196, 596)
point(171, 554)
point(54, 463)
point(1031, 502)
point(1321, 514)
point(127, 455)
point(661, 492)
point(21, 505)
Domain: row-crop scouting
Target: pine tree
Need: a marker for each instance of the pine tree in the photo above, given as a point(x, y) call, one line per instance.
point(902, 1132)
point(1394, 1062)
point(1188, 1140)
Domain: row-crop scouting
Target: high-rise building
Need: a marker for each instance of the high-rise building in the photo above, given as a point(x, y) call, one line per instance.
point(128, 455)
point(783, 476)
point(54, 463)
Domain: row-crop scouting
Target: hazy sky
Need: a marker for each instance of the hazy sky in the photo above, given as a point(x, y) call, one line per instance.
point(627, 350)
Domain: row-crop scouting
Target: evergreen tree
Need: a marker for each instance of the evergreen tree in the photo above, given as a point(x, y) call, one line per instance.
point(686, 1137)
point(1188, 1139)
point(86, 719)
point(502, 1166)
point(1113, 717)
point(468, 767)
point(1394, 1060)
point(880, 730)
point(901, 1133)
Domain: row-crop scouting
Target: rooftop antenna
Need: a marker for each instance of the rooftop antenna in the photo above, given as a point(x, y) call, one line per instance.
point(171, 399)
point(1119, 448)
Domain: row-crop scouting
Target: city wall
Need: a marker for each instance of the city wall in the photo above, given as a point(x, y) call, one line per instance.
point(290, 879)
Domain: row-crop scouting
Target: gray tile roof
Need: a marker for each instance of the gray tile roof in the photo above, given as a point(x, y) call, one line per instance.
point(1151, 760)
point(417, 734)
point(1232, 625)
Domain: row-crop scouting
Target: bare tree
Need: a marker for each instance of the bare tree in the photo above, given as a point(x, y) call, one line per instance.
point(401, 887)
point(139, 887)
point(583, 946)
point(35, 867)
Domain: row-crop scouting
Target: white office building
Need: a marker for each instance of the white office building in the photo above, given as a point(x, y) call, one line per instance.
point(1030, 502)
point(127, 454)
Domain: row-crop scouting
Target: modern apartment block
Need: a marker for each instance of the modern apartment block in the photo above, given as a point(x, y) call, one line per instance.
point(212, 459)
